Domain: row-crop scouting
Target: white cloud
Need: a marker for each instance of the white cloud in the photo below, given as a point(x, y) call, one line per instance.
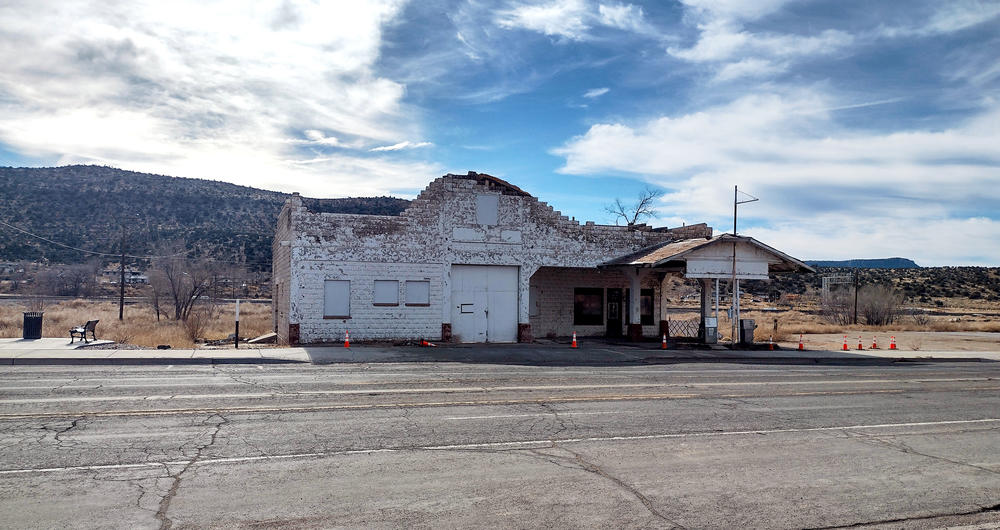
point(957, 15)
point(811, 173)
point(170, 88)
point(572, 19)
point(735, 9)
point(561, 18)
point(627, 17)
point(596, 92)
point(401, 145)
point(733, 52)
point(749, 68)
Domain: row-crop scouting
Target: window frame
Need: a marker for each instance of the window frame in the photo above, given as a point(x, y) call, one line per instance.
point(407, 295)
point(583, 319)
point(328, 316)
point(647, 319)
point(375, 290)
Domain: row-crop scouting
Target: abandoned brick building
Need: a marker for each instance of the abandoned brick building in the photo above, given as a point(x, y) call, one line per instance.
point(476, 259)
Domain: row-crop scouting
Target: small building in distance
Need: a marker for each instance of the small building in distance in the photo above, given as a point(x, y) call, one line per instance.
point(476, 259)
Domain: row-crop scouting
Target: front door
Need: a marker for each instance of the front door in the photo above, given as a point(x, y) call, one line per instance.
point(614, 313)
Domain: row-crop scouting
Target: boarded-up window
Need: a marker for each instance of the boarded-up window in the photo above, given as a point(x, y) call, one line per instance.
point(646, 307)
point(386, 292)
point(588, 306)
point(337, 299)
point(418, 292)
point(487, 209)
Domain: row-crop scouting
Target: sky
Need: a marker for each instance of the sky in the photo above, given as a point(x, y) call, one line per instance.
point(866, 129)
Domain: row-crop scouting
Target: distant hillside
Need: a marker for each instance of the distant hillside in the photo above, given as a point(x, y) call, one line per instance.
point(884, 263)
point(85, 206)
point(918, 285)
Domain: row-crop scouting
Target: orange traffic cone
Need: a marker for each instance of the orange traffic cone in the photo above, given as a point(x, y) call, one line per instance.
point(845, 342)
point(801, 347)
point(573, 344)
point(770, 343)
point(425, 343)
point(874, 342)
point(860, 347)
point(347, 339)
point(663, 345)
point(892, 343)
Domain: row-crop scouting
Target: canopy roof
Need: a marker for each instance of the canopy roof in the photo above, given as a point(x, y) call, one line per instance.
point(674, 254)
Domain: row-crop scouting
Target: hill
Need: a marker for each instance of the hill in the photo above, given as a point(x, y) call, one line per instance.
point(923, 285)
point(86, 206)
point(884, 263)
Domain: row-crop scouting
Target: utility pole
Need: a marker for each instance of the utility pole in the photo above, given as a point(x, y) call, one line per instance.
point(736, 282)
point(121, 279)
point(855, 297)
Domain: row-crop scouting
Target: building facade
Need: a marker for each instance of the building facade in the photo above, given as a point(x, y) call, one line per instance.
point(472, 259)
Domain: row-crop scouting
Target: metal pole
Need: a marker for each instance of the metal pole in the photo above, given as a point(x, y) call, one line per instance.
point(121, 279)
point(236, 337)
point(735, 288)
point(716, 301)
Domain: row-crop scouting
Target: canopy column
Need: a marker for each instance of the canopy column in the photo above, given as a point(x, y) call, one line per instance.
point(634, 305)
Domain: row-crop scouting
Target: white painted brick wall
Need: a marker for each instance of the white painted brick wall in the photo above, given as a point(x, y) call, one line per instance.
point(422, 242)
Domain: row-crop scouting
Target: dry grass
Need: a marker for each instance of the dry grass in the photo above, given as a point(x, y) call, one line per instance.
point(139, 326)
point(791, 323)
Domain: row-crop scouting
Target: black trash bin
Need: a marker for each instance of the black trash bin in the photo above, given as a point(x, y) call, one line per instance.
point(33, 324)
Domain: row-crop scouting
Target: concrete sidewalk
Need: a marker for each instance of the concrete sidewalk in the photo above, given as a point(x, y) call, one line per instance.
point(591, 352)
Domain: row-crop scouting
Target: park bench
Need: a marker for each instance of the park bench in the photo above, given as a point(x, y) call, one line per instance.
point(83, 330)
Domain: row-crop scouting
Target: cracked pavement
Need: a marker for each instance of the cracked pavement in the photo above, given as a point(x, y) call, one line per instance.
point(692, 445)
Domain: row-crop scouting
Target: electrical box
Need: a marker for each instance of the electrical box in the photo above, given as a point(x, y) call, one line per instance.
point(711, 330)
point(747, 326)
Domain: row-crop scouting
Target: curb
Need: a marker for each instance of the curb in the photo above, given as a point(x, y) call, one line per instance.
point(84, 361)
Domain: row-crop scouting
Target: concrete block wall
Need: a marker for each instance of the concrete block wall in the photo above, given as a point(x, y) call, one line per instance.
point(438, 229)
point(555, 290)
point(368, 321)
point(281, 253)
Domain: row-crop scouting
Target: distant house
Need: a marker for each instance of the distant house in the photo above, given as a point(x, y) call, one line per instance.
point(476, 259)
point(132, 277)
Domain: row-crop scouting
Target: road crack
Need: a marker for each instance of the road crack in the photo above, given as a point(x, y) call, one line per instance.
point(161, 512)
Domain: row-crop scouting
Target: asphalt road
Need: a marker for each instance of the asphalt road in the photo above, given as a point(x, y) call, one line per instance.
point(710, 445)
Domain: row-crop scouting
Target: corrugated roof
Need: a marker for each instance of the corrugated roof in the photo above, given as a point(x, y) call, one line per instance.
point(663, 253)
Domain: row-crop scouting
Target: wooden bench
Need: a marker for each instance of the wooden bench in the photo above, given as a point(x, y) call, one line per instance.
point(83, 330)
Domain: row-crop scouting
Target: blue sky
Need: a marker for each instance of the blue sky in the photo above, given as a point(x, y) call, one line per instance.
point(867, 129)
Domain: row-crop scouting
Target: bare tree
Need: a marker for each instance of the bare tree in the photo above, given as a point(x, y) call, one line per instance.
point(182, 281)
point(642, 208)
point(879, 304)
point(68, 280)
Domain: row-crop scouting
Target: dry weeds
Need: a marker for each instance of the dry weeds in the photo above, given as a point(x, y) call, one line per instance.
point(139, 326)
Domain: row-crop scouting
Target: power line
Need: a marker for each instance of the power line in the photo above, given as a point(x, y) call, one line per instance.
point(92, 252)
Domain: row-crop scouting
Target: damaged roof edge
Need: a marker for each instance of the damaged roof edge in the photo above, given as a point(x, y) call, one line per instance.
point(492, 182)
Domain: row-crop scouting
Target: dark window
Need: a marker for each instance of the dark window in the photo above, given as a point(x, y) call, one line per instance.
point(588, 306)
point(646, 307)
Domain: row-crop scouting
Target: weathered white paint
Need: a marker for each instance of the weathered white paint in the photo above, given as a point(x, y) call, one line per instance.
point(448, 223)
point(716, 261)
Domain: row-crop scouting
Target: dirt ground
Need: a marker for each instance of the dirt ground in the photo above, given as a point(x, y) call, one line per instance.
point(909, 341)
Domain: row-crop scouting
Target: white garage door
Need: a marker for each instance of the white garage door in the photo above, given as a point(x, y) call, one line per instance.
point(484, 303)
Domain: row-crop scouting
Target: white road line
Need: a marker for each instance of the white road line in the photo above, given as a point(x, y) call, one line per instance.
point(518, 444)
point(478, 389)
point(532, 415)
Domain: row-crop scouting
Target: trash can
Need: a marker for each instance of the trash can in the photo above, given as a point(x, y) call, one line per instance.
point(33, 324)
point(747, 326)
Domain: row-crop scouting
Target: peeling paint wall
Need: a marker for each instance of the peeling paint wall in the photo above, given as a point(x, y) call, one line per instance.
point(446, 224)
